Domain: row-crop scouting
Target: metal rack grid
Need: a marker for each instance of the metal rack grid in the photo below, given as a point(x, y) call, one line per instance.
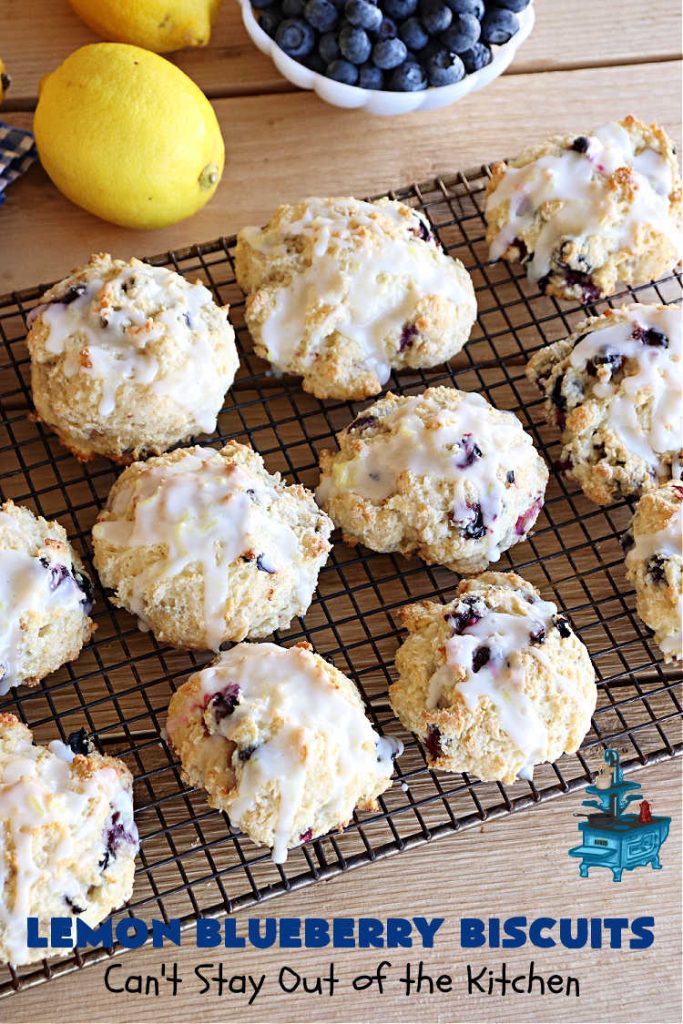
point(190, 862)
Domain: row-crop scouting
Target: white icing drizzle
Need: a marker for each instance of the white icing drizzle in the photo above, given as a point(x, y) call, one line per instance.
point(500, 680)
point(668, 543)
point(106, 334)
point(578, 181)
point(367, 301)
point(206, 511)
point(292, 703)
point(651, 369)
point(37, 796)
point(439, 452)
point(26, 588)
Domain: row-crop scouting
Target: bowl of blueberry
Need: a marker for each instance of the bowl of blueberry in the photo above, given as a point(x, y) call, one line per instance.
point(389, 56)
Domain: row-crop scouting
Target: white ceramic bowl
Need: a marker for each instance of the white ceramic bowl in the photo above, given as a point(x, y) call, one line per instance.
point(376, 101)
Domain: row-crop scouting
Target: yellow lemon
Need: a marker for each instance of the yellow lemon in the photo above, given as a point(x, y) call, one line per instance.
point(159, 25)
point(128, 136)
point(4, 81)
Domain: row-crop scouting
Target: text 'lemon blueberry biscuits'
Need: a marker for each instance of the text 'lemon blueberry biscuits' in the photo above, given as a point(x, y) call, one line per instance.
point(584, 212)
point(128, 359)
point(654, 564)
point(45, 598)
point(67, 837)
point(442, 475)
point(206, 546)
point(615, 389)
point(343, 291)
point(279, 740)
point(495, 681)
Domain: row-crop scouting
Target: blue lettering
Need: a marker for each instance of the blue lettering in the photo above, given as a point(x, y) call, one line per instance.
point(162, 931)
point(342, 933)
point(643, 930)
point(100, 936)
point(370, 933)
point(428, 929)
point(290, 933)
point(60, 932)
point(208, 933)
point(317, 932)
point(536, 929)
point(472, 933)
point(515, 932)
point(398, 932)
point(131, 932)
point(567, 937)
point(34, 940)
point(268, 939)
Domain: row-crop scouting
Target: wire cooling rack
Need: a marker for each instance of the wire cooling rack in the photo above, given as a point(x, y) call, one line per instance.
point(191, 863)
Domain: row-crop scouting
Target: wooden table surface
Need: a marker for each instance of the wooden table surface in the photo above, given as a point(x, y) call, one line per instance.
point(585, 63)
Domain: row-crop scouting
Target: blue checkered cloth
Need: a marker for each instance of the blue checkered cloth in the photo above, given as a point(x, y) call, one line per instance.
point(17, 153)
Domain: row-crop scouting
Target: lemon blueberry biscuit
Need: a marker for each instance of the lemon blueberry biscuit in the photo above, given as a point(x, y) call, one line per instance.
point(583, 212)
point(206, 546)
point(442, 475)
point(45, 598)
point(67, 837)
point(495, 681)
point(279, 740)
point(343, 291)
point(654, 563)
point(615, 389)
point(127, 359)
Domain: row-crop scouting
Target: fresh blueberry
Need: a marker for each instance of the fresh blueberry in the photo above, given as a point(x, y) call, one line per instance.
point(269, 21)
point(292, 8)
point(432, 743)
point(79, 743)
point(316, 63)
point(410, 331)
point(435, 16)
point(355, 44)
point(328, 47)
point(370, 77)
point(481, 657)
point(498, 26)
point(296, 37)
point(258, 4)
point(581, 144)
point(445, 68)
point(513, 5)
point(363, 14)
point(387, 29)
point(475, 7)
point(343, 71)
point(476, 58)
point(321, 14)
point(399, 9)
point(462, 34)
point(408, 77)
point(413, 34)
point(389, 53)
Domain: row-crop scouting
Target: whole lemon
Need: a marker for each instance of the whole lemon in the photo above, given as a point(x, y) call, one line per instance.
point(128, 136)
point(159, 25)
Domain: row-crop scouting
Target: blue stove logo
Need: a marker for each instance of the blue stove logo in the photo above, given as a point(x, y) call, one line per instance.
point(613, 839)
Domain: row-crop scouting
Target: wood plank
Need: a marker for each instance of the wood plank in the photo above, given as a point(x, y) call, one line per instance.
point(44, 235)
point(565, 36)
point(487, 871)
